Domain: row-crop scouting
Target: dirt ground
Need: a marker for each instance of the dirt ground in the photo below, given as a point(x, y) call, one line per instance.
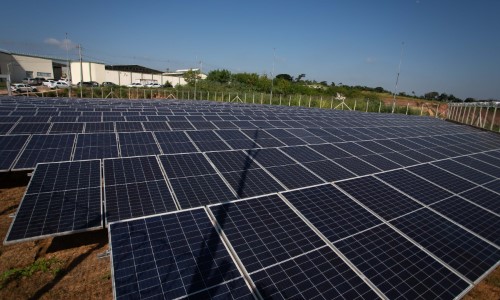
point(53, 268)
point(72, 268)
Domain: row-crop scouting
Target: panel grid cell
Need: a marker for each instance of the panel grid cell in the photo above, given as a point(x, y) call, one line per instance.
point(399, 268)
point(379, 197)
point(170, 256)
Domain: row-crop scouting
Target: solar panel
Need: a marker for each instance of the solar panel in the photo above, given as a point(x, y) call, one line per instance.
point(156, 126)
point(356, 166)
point(494, 186)
point(329, 170)
point(464, 171)
point(264, 231)
point(379, 197)
point(135, 187)
point(442, 178)
point(318, 274)
point(99, 127)
point(462, 250)
point(380, 162)
point(252, 182)
point(374, 147)
point(62, 198)
point(10, 146)
point(45, 148)
point(330, 151)
point(400, 159)
point(418, 188)
point(180, 125)
point(95, 145)
point(294, 176)
point(229, 161)
point(333, 213)
point(170, 256)
point(137, 143)
point(186, 165)
point(353, 148)
point(201, 190)
point(479, 165)
point(399, 268)
point(270, 157)
point(66, 128)
point(30, 128)
point(303, 154)
point(471, 216)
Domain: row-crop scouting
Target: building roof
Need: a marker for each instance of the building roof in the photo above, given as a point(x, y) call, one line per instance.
point(132, 68)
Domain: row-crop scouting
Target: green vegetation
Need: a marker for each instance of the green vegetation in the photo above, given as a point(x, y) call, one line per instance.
point(52, 265)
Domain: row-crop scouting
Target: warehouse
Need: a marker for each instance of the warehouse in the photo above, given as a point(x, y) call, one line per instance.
point(21, 66)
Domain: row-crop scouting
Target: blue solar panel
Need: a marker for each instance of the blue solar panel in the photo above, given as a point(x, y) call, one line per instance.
point(479, 165)
point(328, 170)
point(473, 217)
point(137, 143)
point(46, 148)
point(379, 197)
point(418, 188)
point(30, 128)
point(333, 213)
point(303, 154)
point(99, 127)
point(252, 182)
point(95, 145)
point(356, 165)
point(399, 268)
point(174, 142)
point(294, 176)
point(201, 190)
point(135, 187)
point(464, 171)
point(442, 178)
point(186, 165)
point(318, 274)
point(10, 146)
point(171, 256)
point(61, 198)
point(462, 250)
point(264, 231)
point(66, 128)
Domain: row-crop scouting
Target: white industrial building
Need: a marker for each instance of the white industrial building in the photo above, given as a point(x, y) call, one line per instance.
point(21, 66)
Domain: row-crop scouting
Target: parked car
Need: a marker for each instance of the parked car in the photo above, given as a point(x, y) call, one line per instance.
point(135, 84)
point(60, 85)
point(84, 84)
point(153, 85)
point(34, 81)
point(48, 82)
point(107, 83)
point(22, 88)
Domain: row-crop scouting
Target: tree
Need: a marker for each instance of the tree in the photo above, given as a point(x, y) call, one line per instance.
point(300, 77)
point(221, 76)
point(470, 99)
point(285, 77)
point(379, 89)
point(431, 95)
point(191, 76)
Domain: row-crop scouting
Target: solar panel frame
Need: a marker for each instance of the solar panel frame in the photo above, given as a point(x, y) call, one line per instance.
point(41, 212)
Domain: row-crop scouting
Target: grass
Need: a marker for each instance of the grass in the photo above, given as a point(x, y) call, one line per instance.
point(52, 265)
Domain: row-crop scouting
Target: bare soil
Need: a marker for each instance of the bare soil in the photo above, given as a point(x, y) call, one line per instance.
point(77, 272)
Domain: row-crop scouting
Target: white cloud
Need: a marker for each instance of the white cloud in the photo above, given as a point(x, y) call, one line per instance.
point(370, 60)
point(62, 44)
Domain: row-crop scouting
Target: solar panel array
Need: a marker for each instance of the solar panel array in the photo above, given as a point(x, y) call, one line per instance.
point(206, 200)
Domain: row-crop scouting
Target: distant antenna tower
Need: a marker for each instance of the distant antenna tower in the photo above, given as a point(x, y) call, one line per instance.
point(397, 79)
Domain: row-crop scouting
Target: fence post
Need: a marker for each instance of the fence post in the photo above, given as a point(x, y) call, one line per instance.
point(493, 120)
point(245, 98)
point(310, 98)
point(300, 98)
point(290, 100)
point(355, 101)
point(261, 98)
point(407, 106)
point(367, 103)
point(253, 98)
point(271, 99)
point(280, 99)
point(331, 103)
point(379, 106)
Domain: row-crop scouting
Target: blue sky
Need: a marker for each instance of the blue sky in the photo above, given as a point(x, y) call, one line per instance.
point(449, 46)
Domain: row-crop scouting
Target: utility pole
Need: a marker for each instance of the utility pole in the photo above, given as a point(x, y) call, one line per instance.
point(81, 69)
point(397, 78)
point(272, 74)
point(68, 75)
